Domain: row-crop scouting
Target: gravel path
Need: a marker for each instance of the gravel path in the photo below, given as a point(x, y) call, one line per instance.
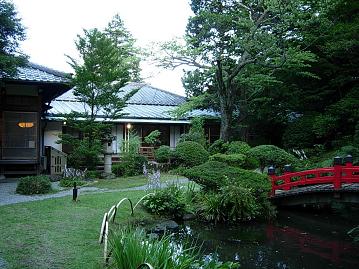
point(8, 195)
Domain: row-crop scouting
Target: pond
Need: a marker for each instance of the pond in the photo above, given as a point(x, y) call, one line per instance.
point(296, 239)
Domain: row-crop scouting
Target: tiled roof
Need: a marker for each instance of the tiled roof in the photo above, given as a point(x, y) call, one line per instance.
point(146, 95)
point(147, 103)
point(38, 73)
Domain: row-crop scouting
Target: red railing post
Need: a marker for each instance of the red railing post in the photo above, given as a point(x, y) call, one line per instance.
point(287, 172)
point(348, 161)
point(337, 173)
point(271, 173)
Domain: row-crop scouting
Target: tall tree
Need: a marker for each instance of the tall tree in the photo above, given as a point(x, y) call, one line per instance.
point(108, 61)
point(11, 33)
point(235, 47)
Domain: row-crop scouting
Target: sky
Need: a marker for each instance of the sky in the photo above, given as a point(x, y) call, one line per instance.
point(52, 27)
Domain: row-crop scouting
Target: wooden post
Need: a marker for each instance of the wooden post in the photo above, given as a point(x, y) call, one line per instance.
point(271, 173)
point(287, 172)
point(337, 172)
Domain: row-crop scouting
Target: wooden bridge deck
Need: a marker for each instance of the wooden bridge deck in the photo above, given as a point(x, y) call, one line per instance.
point(320, 188)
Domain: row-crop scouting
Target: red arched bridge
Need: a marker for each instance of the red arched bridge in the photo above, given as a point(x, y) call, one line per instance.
point(317, 186)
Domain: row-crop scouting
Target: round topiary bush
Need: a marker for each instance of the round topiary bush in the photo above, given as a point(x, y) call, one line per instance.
point(218, 146)
point(190, 153)
point(272, 155)
point(33, 185)
point(163, 154)
point(230, 159)
point(238, 147)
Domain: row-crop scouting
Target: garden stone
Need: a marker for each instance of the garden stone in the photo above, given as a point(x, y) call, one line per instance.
point(168, 225)
point(188, 217)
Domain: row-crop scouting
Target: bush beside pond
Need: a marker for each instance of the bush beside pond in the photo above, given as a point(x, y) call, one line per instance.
point(34, 185)
point(271, 155)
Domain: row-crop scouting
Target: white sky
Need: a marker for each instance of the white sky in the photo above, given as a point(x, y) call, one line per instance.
point(52, 27)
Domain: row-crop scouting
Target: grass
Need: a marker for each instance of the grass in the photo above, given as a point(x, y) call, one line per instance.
point(129, 182)
point(58, 233)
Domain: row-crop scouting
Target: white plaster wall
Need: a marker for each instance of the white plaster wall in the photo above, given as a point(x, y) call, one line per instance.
point(175, 133)
point(51, 134)
point(117, 130)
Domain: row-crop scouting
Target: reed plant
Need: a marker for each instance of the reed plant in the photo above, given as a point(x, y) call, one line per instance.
point(130, 248)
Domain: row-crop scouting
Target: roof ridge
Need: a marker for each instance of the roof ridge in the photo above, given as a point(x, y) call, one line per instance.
point(165, 91)
point(48, 70)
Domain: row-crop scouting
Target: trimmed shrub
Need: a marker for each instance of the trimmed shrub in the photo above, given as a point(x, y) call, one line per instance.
point(130, 165)
point(34, 185)
point(169, 201)
point(230, 159)
point(163, 154)
point(69, 182)
point(191, 153)
point(238, 147)
point(272, 155)
point(212, 175)
point(250, 163)
point(218, 146)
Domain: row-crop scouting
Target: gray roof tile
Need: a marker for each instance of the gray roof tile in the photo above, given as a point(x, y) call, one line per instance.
point(147, 103)
point(38, 73)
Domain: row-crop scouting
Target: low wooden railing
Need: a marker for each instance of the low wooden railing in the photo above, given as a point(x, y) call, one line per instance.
point(110, 217)
point(336, 175)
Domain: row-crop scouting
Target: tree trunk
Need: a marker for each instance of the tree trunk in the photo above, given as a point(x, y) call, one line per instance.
point(226, 124)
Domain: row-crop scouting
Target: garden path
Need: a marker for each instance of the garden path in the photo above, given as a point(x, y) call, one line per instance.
point(9, 196)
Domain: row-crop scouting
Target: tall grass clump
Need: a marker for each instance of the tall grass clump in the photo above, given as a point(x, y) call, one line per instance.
point(132, 248)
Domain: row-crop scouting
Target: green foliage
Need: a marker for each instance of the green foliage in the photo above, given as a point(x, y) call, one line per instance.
point(230, 159)
point(169, 201)
point(239, 66)
point(152, 138)
point(190, 153)
point(272, 155)
point(69, 182)
point(218, 146)
point(195, 133)
point(92, 174)
point(132, 145)
point(33, 185)
point(11, 33)
point(163, 154)
point(300, 133)
point(233, 203)
point(237, 199)
point(349, 150)
point(130, 165)
point(106, 63)
point(238, 147)
point(85, 152)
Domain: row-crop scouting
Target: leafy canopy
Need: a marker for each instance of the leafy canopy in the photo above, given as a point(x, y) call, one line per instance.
point(11, 33)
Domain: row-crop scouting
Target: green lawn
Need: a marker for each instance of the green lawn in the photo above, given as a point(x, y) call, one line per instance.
point(128, 182)
point(58, 233)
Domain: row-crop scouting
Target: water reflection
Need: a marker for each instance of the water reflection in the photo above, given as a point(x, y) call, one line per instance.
point(295, 240)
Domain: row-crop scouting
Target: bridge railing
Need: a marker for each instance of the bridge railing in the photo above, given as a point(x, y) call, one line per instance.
point(336, 175)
